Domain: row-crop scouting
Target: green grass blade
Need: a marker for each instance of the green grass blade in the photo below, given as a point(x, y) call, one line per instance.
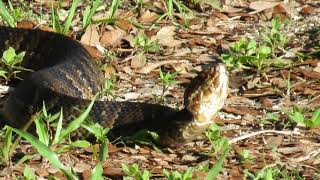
point(75, 124)
point(42, 149)
point(214, 171)
point(59, 128)
point(72, 10)
point(4, 13)
point(5, 150)
point(42, 131)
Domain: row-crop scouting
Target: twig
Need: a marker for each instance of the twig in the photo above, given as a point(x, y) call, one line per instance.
point(246, 136)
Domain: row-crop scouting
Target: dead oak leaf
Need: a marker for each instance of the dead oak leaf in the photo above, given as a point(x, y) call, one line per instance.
point(148, 17)
point(165, 37)
point(91, 36)
point(112, 38)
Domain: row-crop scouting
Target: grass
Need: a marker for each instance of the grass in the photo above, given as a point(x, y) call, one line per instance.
point(246, 53)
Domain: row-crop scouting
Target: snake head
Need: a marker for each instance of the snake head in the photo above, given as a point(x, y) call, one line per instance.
point(204, 97)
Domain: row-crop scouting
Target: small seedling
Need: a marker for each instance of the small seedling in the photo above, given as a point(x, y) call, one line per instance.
point(147, 45)
point(246, 53)
point(109, 87)
point(218, 142)
point(12, 62)
point(100, 133)
point(274, 37)
point(166, 80)
point(134, 173)
point(97, 172)
point(246, 157)
point(28, 174)
point(297, 115)
point(187, 175)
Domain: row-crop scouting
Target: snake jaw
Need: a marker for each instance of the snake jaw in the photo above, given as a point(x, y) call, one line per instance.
point(204, 99)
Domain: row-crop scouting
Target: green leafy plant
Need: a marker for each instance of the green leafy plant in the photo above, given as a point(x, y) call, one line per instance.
point(59, 28)
point(46, 146)
point(218, 142)
point(274, 37)
point(147, 45)
point(134, 173)
point(89, 12)
point(297, 115)
point(144, 137)
point(246, 53)
point(28, 174)
point(187, 175)
point(245, 156)
point(100, 133)
point(97, 172)
point(12, 63)
point(273, 171)
point(109, 87)
point(166, 80)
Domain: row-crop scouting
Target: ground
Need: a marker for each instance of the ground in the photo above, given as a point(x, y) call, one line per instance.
point(269, 108)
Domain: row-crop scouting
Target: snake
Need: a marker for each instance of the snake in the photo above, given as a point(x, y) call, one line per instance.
point(64, 75)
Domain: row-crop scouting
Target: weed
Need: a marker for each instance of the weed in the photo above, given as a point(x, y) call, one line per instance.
point(96, 173)
point(57, 27)
point(218, 142)
point(113, 8)
point(109, 87)
point(170, 4)
point(12, 63)
point(187, 175)
point(246, 157)
point(133, 172)
point(297, 115)
point(43, 144)
point(100, 133)
point(6, 15)
point(89, 12)
point(166, 80)
point(246, 53)
point(5, 149)
point(28, 174)
point(273, 171)
point(274, 37)
point(147, 45)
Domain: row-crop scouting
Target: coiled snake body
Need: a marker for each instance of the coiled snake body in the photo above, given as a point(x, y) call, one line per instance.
point(64, 75)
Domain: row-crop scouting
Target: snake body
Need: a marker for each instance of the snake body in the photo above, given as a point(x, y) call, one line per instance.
point(65, 75)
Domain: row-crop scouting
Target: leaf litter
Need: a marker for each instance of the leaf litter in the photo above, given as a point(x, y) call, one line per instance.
point(244, 118)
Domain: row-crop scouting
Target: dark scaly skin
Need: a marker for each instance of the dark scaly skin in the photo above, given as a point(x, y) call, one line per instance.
point(66, 76)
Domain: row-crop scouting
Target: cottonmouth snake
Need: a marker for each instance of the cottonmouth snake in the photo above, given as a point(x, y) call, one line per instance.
point(64, 75)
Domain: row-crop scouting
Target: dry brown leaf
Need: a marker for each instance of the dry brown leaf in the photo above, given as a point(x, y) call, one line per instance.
point(150, 67)
point(262, 5)
point(124, 24)
point(112, 37)
point(274, 141)
point(91, 36)
point(148, 17)
point(165, 37)
point(138, 61)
